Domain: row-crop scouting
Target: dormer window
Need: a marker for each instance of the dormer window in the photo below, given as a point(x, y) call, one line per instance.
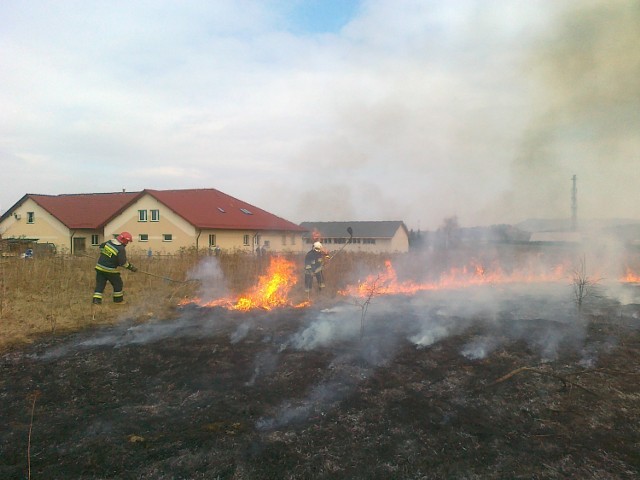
point(221, 210)
point(245, 211)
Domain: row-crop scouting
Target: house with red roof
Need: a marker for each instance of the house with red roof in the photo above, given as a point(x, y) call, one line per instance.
point(160, 221)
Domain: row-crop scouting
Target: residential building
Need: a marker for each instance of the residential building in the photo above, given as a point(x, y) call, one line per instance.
point(372, 237)
point(160, 221)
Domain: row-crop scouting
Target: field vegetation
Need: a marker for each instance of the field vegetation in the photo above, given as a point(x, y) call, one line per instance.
point(52, 294)
point(483, 380)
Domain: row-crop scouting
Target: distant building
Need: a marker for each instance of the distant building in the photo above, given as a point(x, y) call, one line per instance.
point(555, 237)
point(161, 221)
point(373, 237)
point(592, 231)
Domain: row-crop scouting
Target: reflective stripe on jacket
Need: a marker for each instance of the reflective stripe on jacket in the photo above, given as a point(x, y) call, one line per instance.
point(112, 256)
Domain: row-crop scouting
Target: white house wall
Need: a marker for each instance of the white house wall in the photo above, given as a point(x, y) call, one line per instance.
point(45, 227)
point(282, 241)
point(400, 242)
point(182, 232)
point(185, 235)
point(232, 240)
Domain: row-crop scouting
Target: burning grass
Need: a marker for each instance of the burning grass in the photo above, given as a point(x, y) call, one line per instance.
point(473, 383)
point(486, 380)
point(52, 294)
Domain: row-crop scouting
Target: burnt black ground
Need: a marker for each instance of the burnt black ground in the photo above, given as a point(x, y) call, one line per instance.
point(258, 395)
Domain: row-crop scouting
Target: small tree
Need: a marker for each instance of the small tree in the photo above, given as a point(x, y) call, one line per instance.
point(583, 285)
point(371, 291)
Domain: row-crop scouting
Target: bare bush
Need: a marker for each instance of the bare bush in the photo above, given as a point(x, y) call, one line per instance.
point(583, 285)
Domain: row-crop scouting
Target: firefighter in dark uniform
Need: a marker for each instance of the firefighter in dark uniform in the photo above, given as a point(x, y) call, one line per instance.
point(112, 256)
point(313, 263)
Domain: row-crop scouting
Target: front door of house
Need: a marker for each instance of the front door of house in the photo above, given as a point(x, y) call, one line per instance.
point(79, 245)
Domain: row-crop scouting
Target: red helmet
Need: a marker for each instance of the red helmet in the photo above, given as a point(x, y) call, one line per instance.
point(124, 238)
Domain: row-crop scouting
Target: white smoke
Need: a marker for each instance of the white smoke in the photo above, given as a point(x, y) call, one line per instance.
point(188, 325)
point(479, 348)
point(332, 325)
point(321, 398)
point(211, 277)
point(240, 333)
point(265, 363)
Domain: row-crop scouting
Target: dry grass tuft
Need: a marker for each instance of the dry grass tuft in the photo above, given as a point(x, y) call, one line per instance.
point(48, 295)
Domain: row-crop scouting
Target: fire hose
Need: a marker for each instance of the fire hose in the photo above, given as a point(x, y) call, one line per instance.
point(149, 273)
point(350, 231)
point(164, 278)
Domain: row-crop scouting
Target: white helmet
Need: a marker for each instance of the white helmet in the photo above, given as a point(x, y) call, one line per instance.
point(317, 246)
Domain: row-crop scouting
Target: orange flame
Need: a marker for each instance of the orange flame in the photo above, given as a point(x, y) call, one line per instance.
point(386, 282)
point(271, 291)
point(630, 276)
point(273, 288)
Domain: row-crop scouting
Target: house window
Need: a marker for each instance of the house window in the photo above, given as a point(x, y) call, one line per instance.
point(167, 237)
point(369, 241)
point(293, 239)
point(95, 240)
point(30, 217)
point(155, 215)
point(245, 240)
point(267, 243)
point(221, 210)
point(142, 215)
point(212, 240)
point(245, 211)
point(143, 237)
point(284, 239)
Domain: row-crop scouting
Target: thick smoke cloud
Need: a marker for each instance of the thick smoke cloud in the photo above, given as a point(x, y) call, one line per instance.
point(482, 109)
point(585, 103)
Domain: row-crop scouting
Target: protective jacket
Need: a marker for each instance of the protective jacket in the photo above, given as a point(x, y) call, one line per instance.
point(313, 261)
point(112, 256)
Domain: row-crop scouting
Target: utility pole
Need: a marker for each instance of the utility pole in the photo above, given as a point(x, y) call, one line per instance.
point(574, 205)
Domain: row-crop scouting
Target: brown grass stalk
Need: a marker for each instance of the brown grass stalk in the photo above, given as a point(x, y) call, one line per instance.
point(46, 295)
point(35, 396)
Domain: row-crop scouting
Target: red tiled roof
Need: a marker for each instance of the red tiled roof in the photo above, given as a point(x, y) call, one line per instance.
point(203, 208)
point(210, 208)
point(90, 211)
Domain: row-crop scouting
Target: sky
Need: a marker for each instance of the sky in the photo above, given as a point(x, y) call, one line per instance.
point(320, 110)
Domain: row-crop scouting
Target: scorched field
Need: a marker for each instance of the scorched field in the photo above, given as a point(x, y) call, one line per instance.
point(491, 381)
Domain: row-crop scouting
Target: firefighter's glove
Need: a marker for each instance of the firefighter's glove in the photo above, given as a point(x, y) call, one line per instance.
point(132, 268)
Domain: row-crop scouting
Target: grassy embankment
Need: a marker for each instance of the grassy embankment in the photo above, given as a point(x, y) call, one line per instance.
point(53, 294)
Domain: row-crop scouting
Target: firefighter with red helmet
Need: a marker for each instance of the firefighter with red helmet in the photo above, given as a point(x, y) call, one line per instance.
point(112, 256)
point(313, 263)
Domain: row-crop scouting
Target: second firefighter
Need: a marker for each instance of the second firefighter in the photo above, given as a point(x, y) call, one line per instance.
point(313, 263)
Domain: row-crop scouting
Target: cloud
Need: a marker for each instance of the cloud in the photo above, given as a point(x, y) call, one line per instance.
point(476, 109)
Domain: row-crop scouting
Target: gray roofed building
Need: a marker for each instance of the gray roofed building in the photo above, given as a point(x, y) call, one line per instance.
point(375, 236)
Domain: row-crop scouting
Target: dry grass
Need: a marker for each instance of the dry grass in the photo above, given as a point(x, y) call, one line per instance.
point(53, 294)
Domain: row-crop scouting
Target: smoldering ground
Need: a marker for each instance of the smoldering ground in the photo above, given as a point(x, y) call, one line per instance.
point(410, 389)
